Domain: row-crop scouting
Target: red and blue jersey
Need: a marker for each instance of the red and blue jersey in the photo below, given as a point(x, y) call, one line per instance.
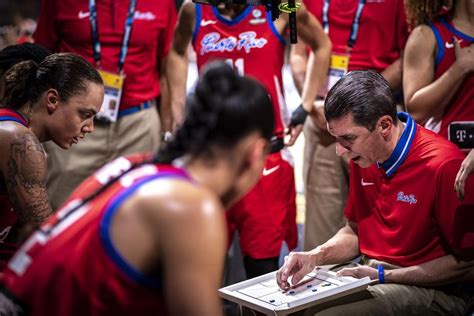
point(406, 210)
point(72, 258)
point(250, 43)
point(460, 110)
point(7, 214)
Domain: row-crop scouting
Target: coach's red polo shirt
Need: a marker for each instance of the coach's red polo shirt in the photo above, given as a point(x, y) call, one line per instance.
point(406, 210)
point(64, 26)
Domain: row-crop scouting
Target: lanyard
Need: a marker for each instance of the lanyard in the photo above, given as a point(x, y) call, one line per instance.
point(126, 35)
point(355, 22)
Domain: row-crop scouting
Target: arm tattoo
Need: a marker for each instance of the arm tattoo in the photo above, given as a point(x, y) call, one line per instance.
point(26, 180)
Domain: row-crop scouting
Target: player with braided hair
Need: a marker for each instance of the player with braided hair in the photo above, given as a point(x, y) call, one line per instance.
point(54, 99)
point(246, 37)
point(147, 236)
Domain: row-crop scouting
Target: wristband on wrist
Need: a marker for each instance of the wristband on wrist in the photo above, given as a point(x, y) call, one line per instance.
point(381, 271)
point(298, 116)
point(166, 136)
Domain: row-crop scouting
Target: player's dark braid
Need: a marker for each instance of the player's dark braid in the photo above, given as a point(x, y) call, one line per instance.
point(203, 109)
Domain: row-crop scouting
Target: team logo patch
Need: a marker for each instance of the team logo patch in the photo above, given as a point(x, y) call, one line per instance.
point(212, 42)
point(257, 14)
point(407, 198)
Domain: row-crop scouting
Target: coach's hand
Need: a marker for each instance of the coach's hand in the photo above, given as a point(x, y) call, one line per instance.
point(296, 266)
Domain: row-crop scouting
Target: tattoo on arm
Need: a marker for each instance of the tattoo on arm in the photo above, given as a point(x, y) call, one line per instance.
point(26, 180)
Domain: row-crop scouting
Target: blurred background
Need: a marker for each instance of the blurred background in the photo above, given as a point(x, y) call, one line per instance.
point(17, 20)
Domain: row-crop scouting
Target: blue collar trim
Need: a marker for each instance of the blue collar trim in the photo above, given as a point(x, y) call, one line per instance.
point(403, 146)
point(235, 20)
point(455, 31)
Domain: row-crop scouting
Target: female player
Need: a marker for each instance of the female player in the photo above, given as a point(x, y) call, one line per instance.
point(148, 238)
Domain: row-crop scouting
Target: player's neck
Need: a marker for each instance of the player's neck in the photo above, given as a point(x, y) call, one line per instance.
point(464, 13)
point(215, 174)
point(230, 11)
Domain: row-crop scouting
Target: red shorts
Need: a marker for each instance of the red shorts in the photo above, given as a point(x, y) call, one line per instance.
point(266, 216)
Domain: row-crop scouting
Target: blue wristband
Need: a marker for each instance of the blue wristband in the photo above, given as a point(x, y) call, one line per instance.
point(381, 274)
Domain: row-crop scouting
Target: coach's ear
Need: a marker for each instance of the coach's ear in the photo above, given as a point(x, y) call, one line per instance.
point(385, 125)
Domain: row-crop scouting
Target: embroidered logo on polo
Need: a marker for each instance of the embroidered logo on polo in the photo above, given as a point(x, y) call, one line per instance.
point(212, 42)
point(147, 16)
point(407, 198)
point(83, 14)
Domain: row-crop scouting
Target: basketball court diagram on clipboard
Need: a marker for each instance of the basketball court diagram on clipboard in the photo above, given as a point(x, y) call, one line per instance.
point(263, 294)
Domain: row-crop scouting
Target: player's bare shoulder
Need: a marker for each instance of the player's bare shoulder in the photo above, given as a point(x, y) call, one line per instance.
point(422, 39)
point(16, 138)
point(188, 12)
point(176, 199)
point(10, 130)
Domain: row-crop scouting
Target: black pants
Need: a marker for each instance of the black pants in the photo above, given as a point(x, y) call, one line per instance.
point(257, 267)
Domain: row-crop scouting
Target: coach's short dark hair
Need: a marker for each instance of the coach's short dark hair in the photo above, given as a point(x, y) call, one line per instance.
point(363, 93)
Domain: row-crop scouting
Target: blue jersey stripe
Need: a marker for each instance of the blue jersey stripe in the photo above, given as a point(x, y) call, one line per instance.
point(235, 20)
point(110, 249)
point(440, 44)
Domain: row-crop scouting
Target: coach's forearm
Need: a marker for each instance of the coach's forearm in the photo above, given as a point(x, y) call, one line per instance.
point(344, 246)
point(439, 271)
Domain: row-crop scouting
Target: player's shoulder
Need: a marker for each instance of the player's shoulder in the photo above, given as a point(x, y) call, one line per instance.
point(422, 37)
point(14, 136)
point(188, 9)
point(177, 197)
point(11, 130)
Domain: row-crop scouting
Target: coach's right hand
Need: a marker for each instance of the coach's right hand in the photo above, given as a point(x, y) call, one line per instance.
point(296, 266)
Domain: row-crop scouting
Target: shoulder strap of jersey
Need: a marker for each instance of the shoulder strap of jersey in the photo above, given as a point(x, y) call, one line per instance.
point(12, 115)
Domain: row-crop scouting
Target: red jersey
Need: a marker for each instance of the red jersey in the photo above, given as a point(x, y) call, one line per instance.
point(382, 33)
point(64, 26)
point(72, 258)
point(250, 43)
point(406, 210)
point(460, 110)
point(7, 214)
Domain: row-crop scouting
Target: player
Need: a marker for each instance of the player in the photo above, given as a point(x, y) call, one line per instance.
point(248, 39)
point(53, 100)
point(438, 74)
point(149, 238)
